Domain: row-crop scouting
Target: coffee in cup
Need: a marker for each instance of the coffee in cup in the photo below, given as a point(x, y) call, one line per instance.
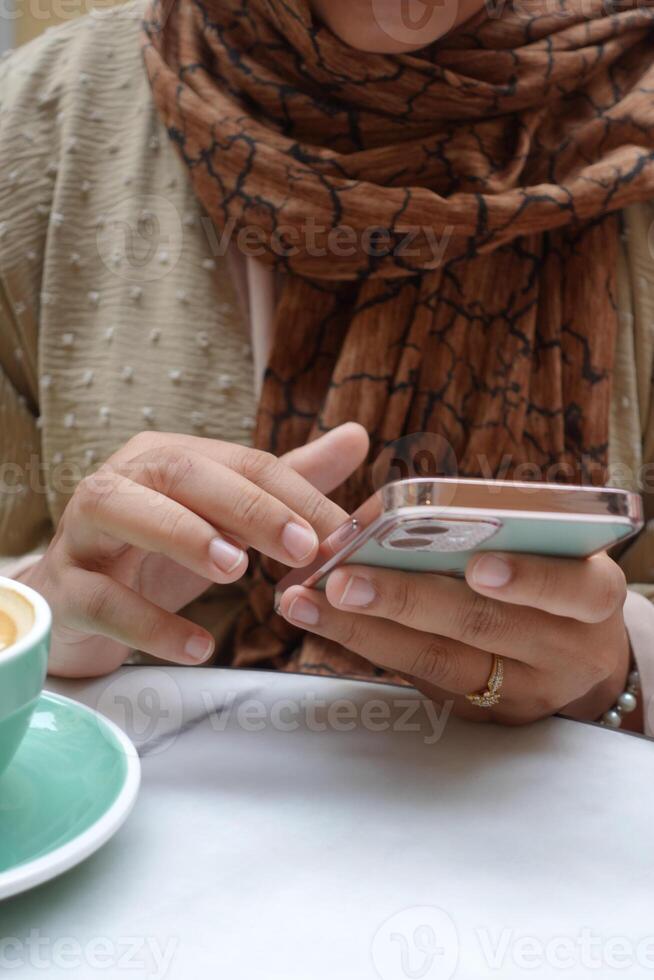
point(24, 638)
point(8, 630)
point(16, 617)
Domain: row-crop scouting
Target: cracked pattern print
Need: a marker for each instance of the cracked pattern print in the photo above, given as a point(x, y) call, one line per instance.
point(445, 223)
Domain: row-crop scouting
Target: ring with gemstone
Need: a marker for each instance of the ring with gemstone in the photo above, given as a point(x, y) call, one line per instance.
point(493, 693)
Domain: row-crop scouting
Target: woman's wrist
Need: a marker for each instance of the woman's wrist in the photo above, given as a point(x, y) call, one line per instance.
point(604, 696)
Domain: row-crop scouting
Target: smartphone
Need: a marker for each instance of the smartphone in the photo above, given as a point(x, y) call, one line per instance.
point(437, 525)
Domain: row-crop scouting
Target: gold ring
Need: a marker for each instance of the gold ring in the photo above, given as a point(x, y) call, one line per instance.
point(492, 695)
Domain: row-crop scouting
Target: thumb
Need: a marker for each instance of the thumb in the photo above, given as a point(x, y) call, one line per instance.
point(328, 461)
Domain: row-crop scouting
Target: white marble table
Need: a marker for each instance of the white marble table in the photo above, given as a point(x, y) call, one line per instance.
point(303, 829)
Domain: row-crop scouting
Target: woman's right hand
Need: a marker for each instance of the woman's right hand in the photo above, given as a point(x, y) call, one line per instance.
point(163, 519)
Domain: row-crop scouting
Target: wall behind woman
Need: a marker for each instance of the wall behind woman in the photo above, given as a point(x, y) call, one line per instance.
point(23, 20)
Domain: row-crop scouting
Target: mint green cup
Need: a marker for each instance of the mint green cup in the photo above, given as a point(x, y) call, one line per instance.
point(23, 665)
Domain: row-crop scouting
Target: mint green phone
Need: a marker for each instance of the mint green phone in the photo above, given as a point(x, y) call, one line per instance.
point(436, 525)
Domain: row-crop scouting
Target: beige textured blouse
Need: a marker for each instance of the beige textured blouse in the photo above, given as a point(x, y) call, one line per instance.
point(120, 309)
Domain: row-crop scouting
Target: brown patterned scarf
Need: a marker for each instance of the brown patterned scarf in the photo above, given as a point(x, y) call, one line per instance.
point(447, 221)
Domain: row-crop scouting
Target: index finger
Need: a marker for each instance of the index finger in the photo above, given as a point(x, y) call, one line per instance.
point(269, 474)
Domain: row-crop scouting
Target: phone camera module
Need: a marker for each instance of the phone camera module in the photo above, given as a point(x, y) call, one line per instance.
point(438, 535)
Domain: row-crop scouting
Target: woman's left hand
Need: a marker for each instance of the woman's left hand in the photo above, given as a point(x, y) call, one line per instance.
point(557, 623)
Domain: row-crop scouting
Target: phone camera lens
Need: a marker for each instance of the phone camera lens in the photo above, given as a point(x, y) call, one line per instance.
point(410, 543)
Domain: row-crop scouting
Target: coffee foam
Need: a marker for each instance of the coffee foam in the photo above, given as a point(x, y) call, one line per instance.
point(16, 618)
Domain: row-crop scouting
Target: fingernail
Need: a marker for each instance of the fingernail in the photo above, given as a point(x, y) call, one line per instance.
point(225, 555)
point(198, 648)
point(491, 572)
point(357, 592)
point(303, 611)
point(299, 541)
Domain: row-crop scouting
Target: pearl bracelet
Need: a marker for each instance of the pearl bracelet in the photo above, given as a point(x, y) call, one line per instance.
point(627, 702)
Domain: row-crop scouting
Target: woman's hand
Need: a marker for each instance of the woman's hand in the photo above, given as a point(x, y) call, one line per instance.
point(557, 623)
point(163, 519)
